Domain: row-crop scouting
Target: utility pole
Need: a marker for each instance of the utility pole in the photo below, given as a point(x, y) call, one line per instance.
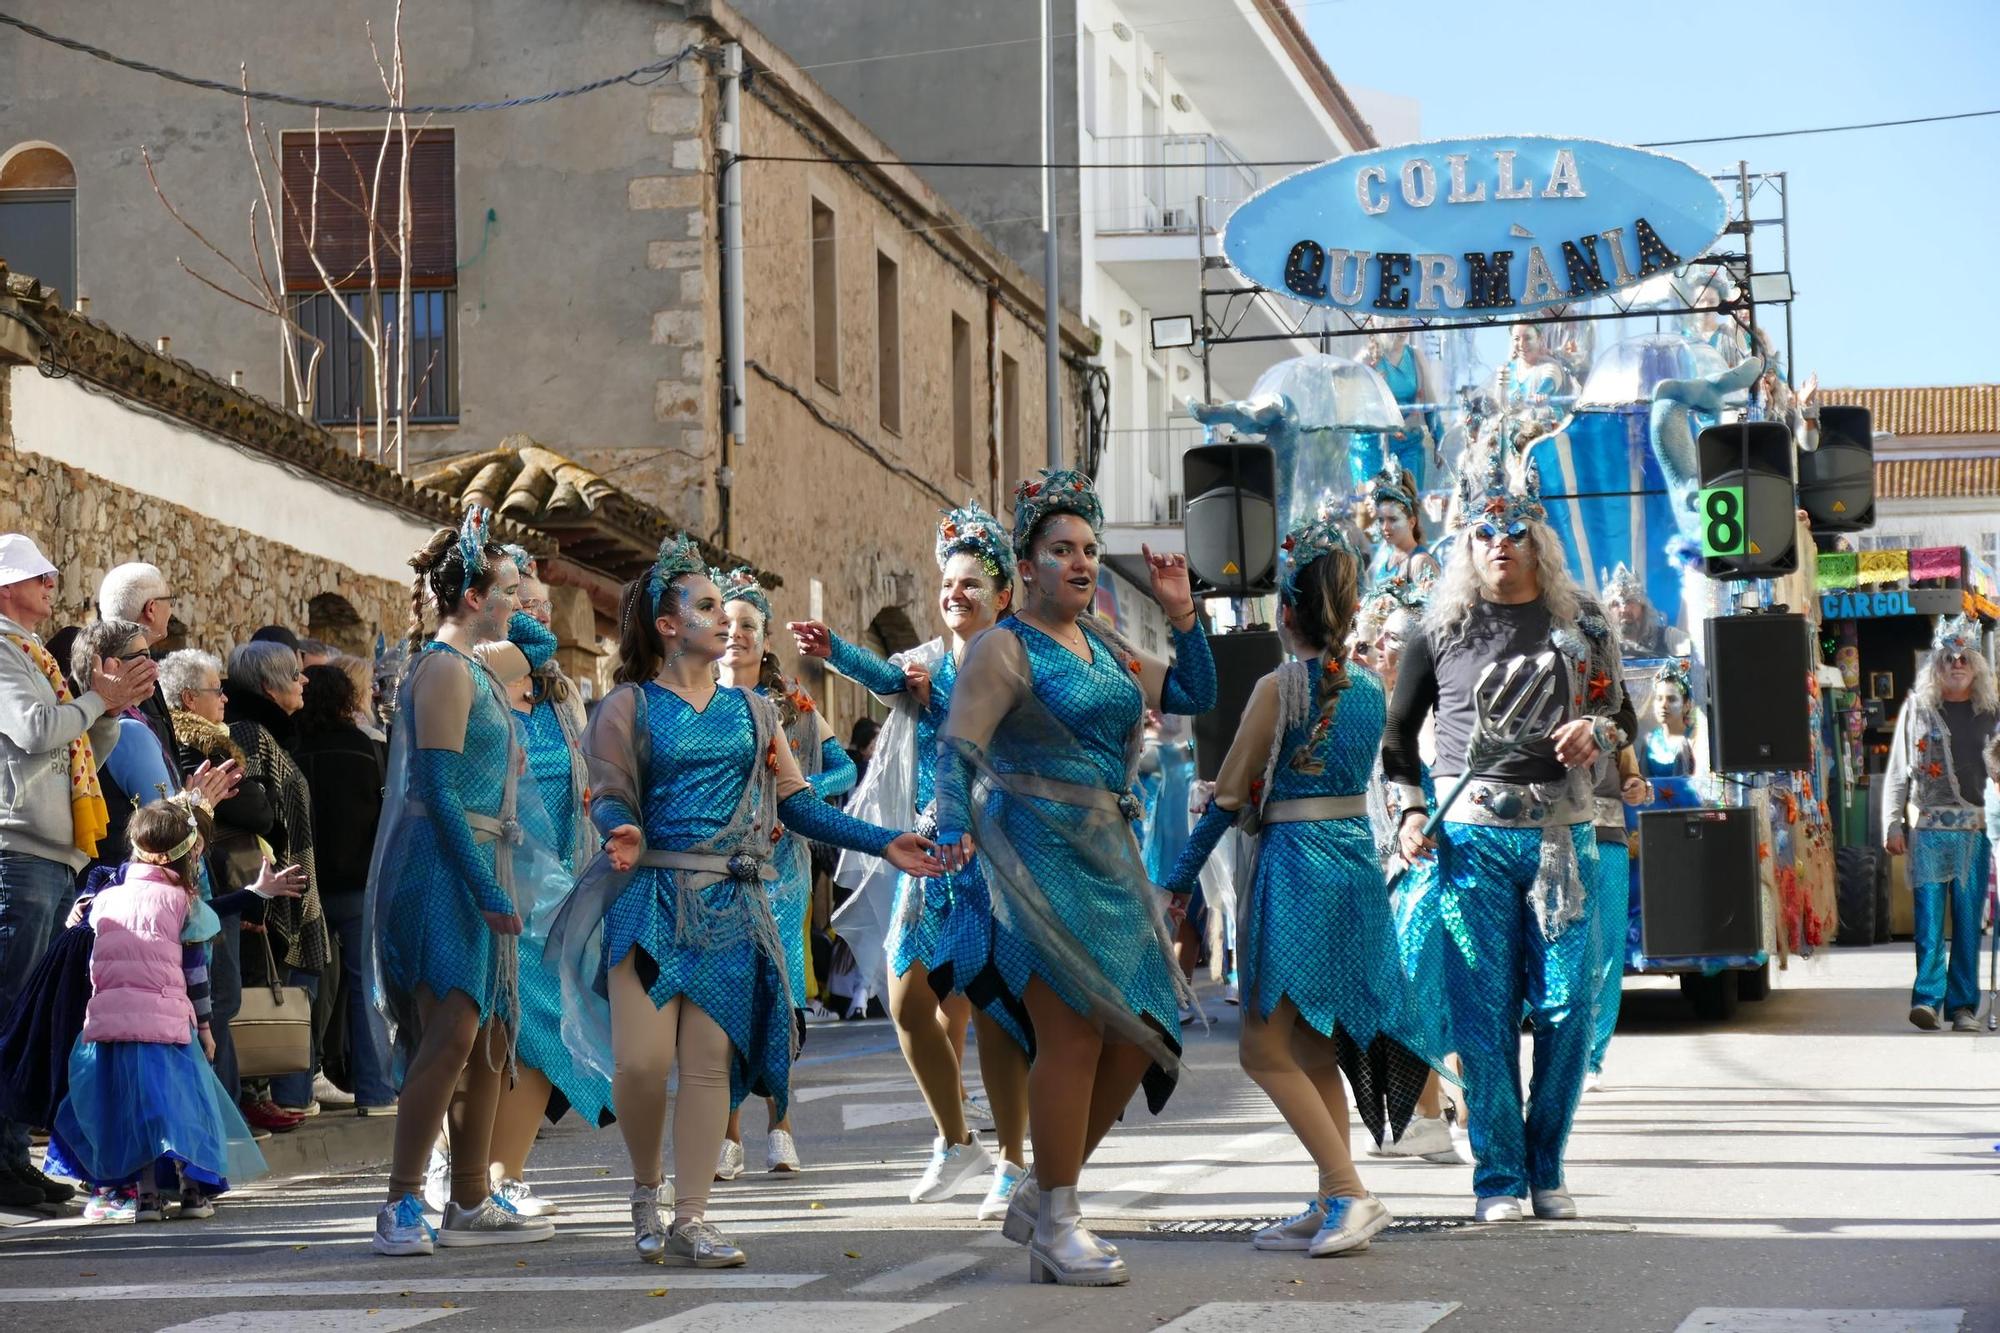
point(1051, 268)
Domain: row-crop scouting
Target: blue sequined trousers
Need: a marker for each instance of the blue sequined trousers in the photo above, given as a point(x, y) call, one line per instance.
point(950, 932)
point(1610, 902)
point(437, 938)
point(701, 761)
point(1498, 963)
point(1948, 876)
point(1100, 704)
point(539, 1043)
point(1317, 928)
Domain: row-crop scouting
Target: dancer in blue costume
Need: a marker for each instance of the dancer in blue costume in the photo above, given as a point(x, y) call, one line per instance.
point(1398, 608)
point(453, 874)
point(1933, 809)
point(747, 664)
point(1616, 783)
point(549, 710)
point(1048, 710)
point(1671, 747)
point(937, 935)
point(1515, 850)
point(668, 950)
point(1399, 533)
point(1414, 380)
point(1323, 989)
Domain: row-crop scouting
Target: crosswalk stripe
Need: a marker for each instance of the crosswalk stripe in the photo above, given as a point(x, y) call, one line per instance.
point(1311, 1317)
point(310, 1321)
point(453, 1284)
point(932, 1268)
point(797, 1317)
point(869, 1114)
point(1722, 1319)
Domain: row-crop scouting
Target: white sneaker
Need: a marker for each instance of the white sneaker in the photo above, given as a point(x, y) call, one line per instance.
point(1421, 1137)
point(978, 1111)
point(730, 1164)
point(1555, 1205)
point(524, 1200)
point(491, 1222)
point(780, 1153)
point(1295, 1232)
point(1593, 1081)
point(1497, 1208)
point(951, 1165)
point(1348, 1225)
point(1007, 1177)
point(437, 1180)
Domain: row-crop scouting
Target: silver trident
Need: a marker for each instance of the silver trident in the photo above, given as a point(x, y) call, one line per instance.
point(1515, 703)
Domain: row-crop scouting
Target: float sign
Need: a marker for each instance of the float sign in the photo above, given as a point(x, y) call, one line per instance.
point(1474, 227)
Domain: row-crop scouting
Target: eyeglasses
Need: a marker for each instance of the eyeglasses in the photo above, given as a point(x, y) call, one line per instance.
point(203, 689)
point(139, 656)
point(1490, 533)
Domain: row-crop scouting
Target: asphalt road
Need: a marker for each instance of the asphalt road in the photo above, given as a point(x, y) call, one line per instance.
point(1814, 1165)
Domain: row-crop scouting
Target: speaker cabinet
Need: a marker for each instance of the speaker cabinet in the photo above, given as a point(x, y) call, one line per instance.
point(1758, 719)
point(1698, 892)
point(1755, 456)
point(1230, 518)
point(1241, 659)
point(1837, 480)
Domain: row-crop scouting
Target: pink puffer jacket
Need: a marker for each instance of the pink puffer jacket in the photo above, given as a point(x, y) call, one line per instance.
point(137, 989)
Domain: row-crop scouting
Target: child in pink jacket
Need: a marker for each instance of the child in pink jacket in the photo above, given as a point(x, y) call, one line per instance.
point(145, 1112)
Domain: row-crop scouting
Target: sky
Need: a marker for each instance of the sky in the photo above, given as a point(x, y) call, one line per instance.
point(1893, 231)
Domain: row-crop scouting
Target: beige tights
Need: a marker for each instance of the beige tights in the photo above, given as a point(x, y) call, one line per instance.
point(1297, 1069)
point(645, 1042)
point(522, 1108)
point(449, 1079)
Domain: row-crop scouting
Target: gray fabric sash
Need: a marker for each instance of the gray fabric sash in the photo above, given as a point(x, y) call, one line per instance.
point(1068, 793)
point(1312, 808)
point(701, 869)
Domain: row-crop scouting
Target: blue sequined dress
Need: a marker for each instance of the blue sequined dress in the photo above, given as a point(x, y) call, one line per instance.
point(1073, 905)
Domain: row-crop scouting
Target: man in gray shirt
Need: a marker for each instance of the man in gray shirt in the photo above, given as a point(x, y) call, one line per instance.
point(1515, 848)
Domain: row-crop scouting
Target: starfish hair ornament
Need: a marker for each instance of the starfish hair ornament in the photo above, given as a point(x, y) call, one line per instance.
point(1059, 491)
point(1677, 672)
point(1394, 484)
point(1493, 505)
point(678, 555)
point(740, 585)
point(1955, 635)
point(972, 531)
point(1317, 536)
point(474, 535)
point(523, 561)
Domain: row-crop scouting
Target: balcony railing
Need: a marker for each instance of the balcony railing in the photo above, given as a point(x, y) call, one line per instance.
point(1144, 470)
point(1155, 179)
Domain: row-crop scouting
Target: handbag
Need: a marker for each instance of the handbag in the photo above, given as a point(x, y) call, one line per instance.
point(273, 1029)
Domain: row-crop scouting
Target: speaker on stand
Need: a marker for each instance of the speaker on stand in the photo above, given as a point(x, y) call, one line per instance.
point(1231, 518)
point(1759, 713)
point(1241, 659)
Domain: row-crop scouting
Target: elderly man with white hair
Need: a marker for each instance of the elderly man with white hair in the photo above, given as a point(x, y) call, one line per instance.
point(1933, 809)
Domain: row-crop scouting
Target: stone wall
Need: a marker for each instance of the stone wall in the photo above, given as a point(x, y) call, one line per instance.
point(226, 582)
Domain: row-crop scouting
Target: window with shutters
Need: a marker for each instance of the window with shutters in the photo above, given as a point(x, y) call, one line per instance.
point(344, 234)
point(38, 215)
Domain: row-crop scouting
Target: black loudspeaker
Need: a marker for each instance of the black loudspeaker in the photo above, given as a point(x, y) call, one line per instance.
point(1758, 719)
point(1837, 480)
point(1755, 456)
point(1241, 660)
point(1231, 518)
point(1698, 893)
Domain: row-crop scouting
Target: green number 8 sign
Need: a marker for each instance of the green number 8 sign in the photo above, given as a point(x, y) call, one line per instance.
point(1722, 528)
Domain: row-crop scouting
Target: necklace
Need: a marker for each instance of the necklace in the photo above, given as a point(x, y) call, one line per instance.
point(1080, 644)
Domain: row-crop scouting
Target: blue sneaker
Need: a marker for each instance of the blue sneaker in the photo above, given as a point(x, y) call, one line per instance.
point(401, 1228)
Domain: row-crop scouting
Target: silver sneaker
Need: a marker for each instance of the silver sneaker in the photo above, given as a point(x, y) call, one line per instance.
point(1554, 1205)
point(649, 1232)
point(492, 1222)
point(524, 1200)
point(1423, 1136)
point(1348, 1225)
point(402, 1229)
point(1294, 1233)
point(781, 1153)
point(700, 1245)
point(729, 1164)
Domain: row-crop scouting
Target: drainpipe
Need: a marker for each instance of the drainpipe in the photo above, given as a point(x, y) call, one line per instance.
point(994, 472)
point(728, 144)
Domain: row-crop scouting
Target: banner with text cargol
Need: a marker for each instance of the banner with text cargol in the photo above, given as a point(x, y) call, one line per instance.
point(1463, 227)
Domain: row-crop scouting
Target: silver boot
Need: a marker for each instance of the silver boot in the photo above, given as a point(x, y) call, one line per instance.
point(1019, 1225)
point(1064, 1251)
point(649, 1233)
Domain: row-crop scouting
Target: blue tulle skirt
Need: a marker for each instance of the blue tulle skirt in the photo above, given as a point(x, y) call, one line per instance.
point(136, 1107)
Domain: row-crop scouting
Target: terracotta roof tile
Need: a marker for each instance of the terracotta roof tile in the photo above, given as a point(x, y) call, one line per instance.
point(1943, 409)
point(1929, 478)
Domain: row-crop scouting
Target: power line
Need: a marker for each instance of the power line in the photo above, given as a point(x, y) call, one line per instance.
point(640, 77)
point(1824, 129)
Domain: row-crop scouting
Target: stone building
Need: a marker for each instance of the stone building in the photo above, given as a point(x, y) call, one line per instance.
point(570, 268)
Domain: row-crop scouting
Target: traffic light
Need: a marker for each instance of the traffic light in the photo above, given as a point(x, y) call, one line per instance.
point(1746, 506)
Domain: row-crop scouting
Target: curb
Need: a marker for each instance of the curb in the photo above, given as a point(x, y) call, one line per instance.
point(330, 1143)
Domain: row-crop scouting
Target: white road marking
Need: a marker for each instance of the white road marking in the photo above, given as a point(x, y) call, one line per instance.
point(1123, 1197)
point(849, 1090)
point(796, 1317)
point(680, 1278)
point(932, 1268)
point(1721, 1319)
point(869, 1114)
point(310, 1321)
point(1311, 1317)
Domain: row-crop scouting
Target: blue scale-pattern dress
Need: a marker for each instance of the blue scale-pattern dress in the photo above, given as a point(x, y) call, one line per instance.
point(951, 933)
point(436, 937)
point(701, 761)
point(539, 1044)
point(791, 895)
point(1420, 936)
point(1100, 703)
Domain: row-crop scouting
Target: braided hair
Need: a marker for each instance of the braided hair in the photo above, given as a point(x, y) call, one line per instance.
point(440, 583)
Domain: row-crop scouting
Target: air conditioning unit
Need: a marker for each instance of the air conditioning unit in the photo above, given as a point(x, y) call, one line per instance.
point(1176, 219)
point(1173, 506)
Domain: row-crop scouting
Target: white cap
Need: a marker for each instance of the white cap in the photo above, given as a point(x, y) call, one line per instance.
point(21, 559)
